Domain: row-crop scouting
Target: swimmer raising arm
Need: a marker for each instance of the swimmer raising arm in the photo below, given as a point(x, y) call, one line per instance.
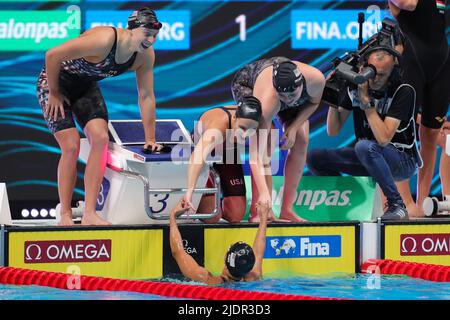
point(259, 245)
point(241, 261)
point(188, 266)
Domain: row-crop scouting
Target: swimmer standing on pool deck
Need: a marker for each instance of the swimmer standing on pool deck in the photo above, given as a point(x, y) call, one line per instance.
point(67, 88)
point(242, 262)
point(291, 90)
point(426, 65)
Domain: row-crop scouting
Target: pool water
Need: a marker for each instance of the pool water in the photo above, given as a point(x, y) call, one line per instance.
point(365, 287)
point(360, 287)
point(11, 292)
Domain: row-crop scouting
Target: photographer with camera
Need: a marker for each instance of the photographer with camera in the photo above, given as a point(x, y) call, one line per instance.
point(383, 114)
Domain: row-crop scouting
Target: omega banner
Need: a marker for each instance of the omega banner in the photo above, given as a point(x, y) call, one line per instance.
point(116, 253)
point(425, 242)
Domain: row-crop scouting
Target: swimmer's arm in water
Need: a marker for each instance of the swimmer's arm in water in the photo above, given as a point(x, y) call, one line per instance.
point(259, 245)
point(146, 96)
point(90, 44)
point(207, 142)
point(409, 5)
point(188, 266)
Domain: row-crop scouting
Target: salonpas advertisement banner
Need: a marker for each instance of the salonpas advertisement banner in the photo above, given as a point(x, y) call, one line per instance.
point(38, 30)
point(328, 198)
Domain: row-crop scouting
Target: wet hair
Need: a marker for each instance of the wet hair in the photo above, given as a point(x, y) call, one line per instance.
point(240, 259)
point(249, 108)
point(144, 17)
point(286, 76)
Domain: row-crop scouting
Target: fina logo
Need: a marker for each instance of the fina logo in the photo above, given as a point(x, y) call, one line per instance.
point(173, 35)
point(288, 246)
point(303, 247)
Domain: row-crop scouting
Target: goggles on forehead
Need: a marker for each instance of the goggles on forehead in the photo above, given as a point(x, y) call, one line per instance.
point(156, 25)
point(139, 19)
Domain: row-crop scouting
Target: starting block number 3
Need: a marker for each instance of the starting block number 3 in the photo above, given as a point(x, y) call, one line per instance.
point(158, 202)
point(103, 194)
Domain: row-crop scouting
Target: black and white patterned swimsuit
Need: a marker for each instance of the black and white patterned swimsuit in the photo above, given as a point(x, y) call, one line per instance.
point(244, 82)
point(78, 82)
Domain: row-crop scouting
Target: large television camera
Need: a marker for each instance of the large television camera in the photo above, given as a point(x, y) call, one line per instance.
point(346, 69)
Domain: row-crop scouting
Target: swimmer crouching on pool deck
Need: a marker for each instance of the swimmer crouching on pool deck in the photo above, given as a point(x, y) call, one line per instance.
point(230, 124)
point(67, 88)
point(242, 262)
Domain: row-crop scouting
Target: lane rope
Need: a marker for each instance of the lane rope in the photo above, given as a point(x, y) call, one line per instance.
point(431, 272)
point(16, 276)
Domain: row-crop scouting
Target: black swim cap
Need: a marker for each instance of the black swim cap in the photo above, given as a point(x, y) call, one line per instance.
point(249, 108)
point(240, 259)
point(286, 76)
point(144, 17)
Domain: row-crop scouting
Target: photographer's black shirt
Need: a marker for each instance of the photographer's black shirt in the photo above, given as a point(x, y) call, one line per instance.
point(399, 105)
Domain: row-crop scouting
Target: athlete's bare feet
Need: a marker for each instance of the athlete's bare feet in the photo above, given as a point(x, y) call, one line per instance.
point(66, 219)
point(291, 216)
point(93, 219)
point(414, 211)
point(271, 218)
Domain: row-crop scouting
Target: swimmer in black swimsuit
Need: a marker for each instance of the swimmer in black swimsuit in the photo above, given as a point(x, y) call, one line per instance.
point(426, 67)
point(242, 262)
point(223, 128)
point(67, 89)
point(292, 90)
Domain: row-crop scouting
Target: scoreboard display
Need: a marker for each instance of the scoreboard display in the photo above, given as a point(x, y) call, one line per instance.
point(200, 46)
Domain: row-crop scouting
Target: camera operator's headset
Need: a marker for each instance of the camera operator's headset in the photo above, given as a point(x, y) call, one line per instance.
point(396, 73)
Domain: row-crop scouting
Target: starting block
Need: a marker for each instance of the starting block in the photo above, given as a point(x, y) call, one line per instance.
point(432, 207)
point(5, 212)
point(447, 145)
point(142, 188)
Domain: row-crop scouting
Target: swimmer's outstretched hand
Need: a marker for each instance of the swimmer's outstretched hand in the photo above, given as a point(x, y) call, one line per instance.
point(263, 209)
point(266, 210)
point(179, 209)
point(188, 204)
